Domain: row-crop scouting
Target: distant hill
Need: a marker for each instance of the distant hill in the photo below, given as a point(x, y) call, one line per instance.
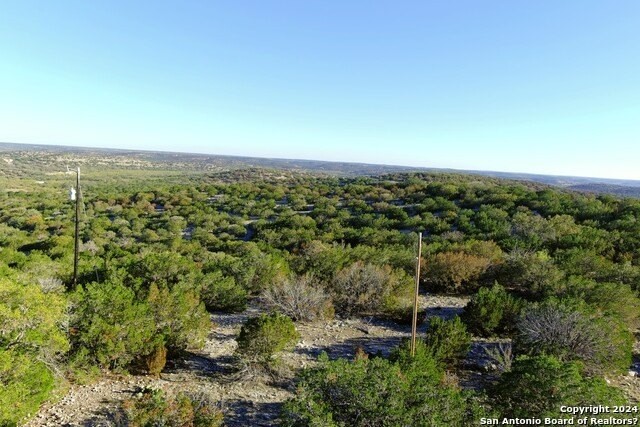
point(560, 180)
point(618, 190)
point(207, 162)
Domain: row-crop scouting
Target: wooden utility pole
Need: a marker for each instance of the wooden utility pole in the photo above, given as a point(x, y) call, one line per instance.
point(77, 239)
point(414, 324)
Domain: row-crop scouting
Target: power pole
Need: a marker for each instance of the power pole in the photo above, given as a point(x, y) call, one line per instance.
point(77, 234)
point(414, 324)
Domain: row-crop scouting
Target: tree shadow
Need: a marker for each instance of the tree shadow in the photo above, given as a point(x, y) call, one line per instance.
point(373, 344)
point(480, 356)
point(347, 348)
point(635, 364)
point(113, 417)
point(368, 324)
point(201, 365)
point(480, 367)
point(444, 312)
point(241, 413)
point(447, 313)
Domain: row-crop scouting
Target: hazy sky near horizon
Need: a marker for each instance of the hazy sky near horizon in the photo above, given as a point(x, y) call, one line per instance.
point(549, 87)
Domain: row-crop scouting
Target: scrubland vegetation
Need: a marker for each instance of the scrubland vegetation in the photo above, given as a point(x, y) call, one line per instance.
point(556, 272)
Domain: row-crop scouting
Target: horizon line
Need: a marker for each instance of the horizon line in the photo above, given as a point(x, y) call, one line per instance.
point(410, 168)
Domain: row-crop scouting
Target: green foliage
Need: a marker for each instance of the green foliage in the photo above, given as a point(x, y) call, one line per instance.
point(32, 342)
point(378, 392)
point(492, 311)
point(532, 231)
point(81, 368)
point(531, 274)
point(538, 386)
point(266, 268)
point(31, 320)
point(111, 326)
point(423, 365)
point(569, 330)
point(220, 293)
point(325, 260)
point(610, 299)
point(179, 317)
point(163, 237)
point(24, 385)
point(161, 268)
point(13, 258)
point(262, 337)
point(448, 340)
point(113, 329)
point(322, 259)
point(154, 409)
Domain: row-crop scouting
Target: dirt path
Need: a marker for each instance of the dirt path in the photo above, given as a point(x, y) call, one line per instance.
point(245, 401)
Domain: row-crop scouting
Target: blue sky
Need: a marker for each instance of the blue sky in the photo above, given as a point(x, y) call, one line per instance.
point(525, 86)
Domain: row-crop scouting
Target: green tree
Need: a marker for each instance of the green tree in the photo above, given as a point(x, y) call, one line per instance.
point(32, 321)
point(222, 293)
point(262, 337)
point(110, 328)
point(24, 385)
point(538, 386)
point(379, 392)
point(492, 311)
point(179, 317)
point(447, 340)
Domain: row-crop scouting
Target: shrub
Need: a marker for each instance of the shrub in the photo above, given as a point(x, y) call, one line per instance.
point(492, 311)
point(31, 345)
point(79, 368)
point(300, 298)
point(31, 320)
point(567, 330)
point(159, 267)
point(25, 385)
point(112, 329)
point(611, 299)
point(154, 409)
point(369, 289)
point(267, 269)
point(422, 363)
point(109, 327)
point(538, 386)
point(501, 356)
point(454, 272)
point(531, 274)
point(261, 337)
point(448, 340)
point(378, 392)
point(359, 288)
point(50, 285)
point(180, 318)
point(222, 293)
point(156, 360)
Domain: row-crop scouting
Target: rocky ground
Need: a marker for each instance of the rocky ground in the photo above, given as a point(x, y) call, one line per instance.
point(256, 400)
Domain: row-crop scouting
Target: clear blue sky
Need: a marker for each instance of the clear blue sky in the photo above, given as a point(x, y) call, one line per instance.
point(528, 86)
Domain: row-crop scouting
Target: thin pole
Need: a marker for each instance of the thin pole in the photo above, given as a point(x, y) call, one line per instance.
point(414, 325)
point(77, 239)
